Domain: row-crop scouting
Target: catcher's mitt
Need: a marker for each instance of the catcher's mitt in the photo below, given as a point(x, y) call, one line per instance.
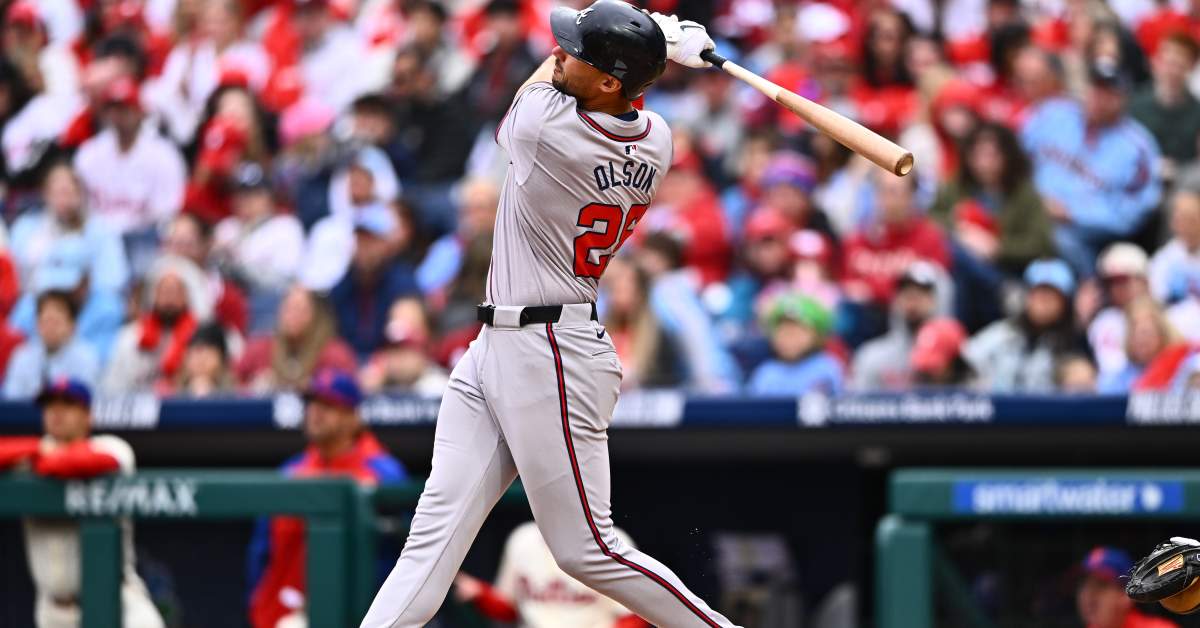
point(1170, 575)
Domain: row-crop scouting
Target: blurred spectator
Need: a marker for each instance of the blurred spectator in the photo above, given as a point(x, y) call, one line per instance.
point(937, 355)
point(154, 345)
point(375, 279)
point(1167, 109)
point(64, 247)
point(531, 589)
point(134, 178)
point(996, 219)
point(798, 327)
point(1148, 333)
point(506, 64)
point(1075, 374)
point(765, 266)
point(112, 59)
point(675, 301)
point(1021, 353)
point(879, 253)
point(402, 364)
point(338, 445)
point(55, 352)
point(45, 66)
point(1097, 169)
point(258, 246)
point(14, 94)
point(428, 34)
point(1177, 261)
point(454, 269)
point(688, 207)
point(304, 167)
point(883, 363)
point(787, 186)
point(363, 189)
point(373, 122)
point(1185, 314)
point(217, 53)
point(329, 56)
point(233, 131)
point(649, 357)
point(1122, 270)
point(885, 96)
point(1038, 76)
point(1100, 598)
point(68, 451)
point(206, 370)
point(1187, 378)
point(304, 342)
point(190, 238)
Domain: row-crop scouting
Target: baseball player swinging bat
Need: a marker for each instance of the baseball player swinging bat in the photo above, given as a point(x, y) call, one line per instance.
point(858, 138)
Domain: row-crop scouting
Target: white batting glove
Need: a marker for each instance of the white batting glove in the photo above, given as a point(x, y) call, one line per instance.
point(685, 40)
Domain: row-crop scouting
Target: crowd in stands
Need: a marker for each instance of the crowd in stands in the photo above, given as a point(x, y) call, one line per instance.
point(220, 197)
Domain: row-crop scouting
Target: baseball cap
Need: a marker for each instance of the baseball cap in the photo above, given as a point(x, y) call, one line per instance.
point(802, 309)
point(378, 220)
point(335, 388)
point(767, 223)
point(250, 176)
point(788, 168)
point(123, 91)
point(305, 118)
point(807, 244)
point(399, 333)
point(1051, 272)
point(1109, 563)
point(23, 13)
point(65, 388)
point(921, 274)
point(1123, 258)
point(937, 344)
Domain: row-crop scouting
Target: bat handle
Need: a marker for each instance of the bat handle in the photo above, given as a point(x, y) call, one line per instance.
point(712, 57)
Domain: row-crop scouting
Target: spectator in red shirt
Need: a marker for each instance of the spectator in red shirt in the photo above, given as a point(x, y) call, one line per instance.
point(305, 341)
point(877, 255)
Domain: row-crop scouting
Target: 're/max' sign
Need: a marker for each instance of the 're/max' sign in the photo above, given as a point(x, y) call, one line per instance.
point(162, 497)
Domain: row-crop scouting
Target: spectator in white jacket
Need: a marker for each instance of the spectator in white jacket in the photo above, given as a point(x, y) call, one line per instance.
point(1179, 259)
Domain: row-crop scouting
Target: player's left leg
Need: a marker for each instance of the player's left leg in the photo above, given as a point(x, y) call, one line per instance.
point(555, 419)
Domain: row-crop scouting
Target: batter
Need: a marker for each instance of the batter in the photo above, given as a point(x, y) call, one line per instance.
point(535, 392)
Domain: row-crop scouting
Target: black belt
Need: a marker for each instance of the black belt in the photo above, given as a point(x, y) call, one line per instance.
point(530, 315)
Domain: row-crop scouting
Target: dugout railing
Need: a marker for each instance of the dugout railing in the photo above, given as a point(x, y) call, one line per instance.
point(340, 525)
point(909, 565)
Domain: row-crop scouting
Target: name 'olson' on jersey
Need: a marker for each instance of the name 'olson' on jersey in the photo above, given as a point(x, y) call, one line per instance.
point(631, 174)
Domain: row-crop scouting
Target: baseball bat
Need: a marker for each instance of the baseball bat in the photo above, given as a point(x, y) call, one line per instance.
point(858, 138)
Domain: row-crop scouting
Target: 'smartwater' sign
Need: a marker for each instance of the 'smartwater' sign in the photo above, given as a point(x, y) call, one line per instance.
point(1101, 496)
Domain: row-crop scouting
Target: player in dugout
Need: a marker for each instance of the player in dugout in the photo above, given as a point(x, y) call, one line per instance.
point(532, 592)
point(1100, 598)
point(338, 445)
point(67, 450)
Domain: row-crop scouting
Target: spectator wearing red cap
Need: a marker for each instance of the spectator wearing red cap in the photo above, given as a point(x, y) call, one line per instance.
point(403, 365)
point(302, 342)
point(339, 445)
point(47, 67)
point(996, 221)
point(216, 54)
point(687, 206)
point(936, 359)
point(878, 254)
point(1100, 599)
point(134, 177)
point(69, 451)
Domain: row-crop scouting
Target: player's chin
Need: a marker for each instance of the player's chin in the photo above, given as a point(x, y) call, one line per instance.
point(560, 84)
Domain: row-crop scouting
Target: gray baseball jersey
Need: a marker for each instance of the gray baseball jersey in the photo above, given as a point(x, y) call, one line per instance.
point(578, 184)
point(537, 400)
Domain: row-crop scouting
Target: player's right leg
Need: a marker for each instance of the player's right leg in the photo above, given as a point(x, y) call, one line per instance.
point(472, 467)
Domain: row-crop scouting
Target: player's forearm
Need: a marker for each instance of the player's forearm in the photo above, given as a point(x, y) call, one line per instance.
point(542, 74)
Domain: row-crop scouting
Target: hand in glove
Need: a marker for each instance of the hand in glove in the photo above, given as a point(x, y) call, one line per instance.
point(685, 40)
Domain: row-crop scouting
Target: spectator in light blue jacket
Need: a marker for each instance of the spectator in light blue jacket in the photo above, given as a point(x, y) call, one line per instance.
point(55, 352)
point(1096, 168)
point(60, 247)
point(798, 326)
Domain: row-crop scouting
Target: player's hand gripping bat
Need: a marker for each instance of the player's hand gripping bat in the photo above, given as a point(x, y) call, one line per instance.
point(858, 138)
